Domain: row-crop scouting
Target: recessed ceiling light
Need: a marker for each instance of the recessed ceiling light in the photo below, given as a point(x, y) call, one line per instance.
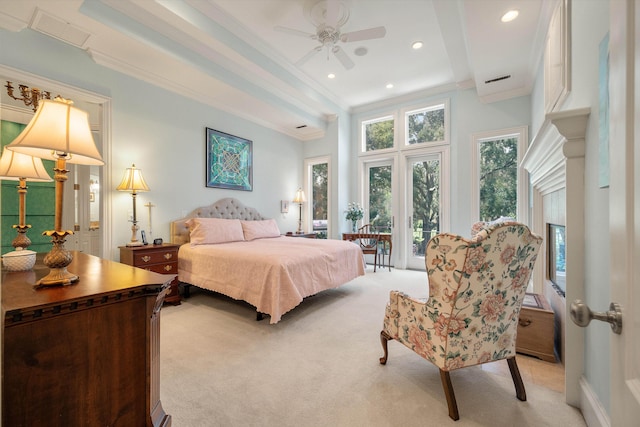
point(389, 85)
point(416, 45)
point(510, 16)
point(331, 76)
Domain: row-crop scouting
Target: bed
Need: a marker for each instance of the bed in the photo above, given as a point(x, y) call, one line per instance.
point(273, 273)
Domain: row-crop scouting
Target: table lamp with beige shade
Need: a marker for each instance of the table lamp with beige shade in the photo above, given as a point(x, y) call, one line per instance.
point(134, 182)
point(22, 168)
point(58, 131)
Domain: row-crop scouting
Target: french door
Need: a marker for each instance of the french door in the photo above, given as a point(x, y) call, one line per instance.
point(379, 195)
point(426, 199)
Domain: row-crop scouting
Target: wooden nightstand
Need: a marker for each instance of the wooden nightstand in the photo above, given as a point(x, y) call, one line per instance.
point(157, 258)
point(536, 328)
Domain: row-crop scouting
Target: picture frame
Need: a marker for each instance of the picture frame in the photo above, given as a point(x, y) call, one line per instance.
point(229, 161)
point(557, 58)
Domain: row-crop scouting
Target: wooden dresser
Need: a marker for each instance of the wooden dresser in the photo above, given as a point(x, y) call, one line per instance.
point(159, 258)
point(536, 328)
point(87, 354)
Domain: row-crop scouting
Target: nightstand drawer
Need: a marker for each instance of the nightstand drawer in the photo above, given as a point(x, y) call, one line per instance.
point(166, 268)
point(154, 257)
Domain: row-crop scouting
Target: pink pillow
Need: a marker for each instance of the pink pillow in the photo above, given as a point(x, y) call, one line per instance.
point(260, 229)
point(205, 231)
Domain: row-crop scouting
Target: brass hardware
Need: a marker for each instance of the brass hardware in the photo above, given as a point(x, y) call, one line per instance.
point(30, 96)
point(524, 322)
point(581, 315)
point(168, 268)
point(146, 258)
point(168, 255)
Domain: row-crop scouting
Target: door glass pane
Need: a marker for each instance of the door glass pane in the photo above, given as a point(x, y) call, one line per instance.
point(380, 208)
point(319, 197)
point(498, 178)
point(426, 203)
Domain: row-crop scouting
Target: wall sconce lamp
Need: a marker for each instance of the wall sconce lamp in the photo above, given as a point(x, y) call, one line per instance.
point(20, 167)
point(58, 131)
point(299, 199)
point(30, 96)
point(134, 182)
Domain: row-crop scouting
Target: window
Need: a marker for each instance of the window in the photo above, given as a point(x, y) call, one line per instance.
point(501, 184)
point(378, 134)
point(425, 125)
point(317, 186)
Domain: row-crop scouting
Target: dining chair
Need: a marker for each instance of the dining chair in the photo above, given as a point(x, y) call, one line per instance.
point(369, 245)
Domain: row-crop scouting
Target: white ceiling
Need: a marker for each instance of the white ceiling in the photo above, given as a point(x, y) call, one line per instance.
point(226, 53)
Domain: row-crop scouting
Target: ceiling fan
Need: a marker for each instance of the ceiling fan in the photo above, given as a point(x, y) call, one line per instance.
point(329, 16)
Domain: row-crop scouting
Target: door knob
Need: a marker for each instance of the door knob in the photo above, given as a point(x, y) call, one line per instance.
point(581, 315)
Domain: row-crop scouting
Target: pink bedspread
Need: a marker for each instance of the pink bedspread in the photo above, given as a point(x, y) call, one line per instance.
point(274, 274)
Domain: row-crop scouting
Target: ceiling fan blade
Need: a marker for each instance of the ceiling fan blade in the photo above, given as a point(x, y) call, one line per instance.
point(368, 34)
point(295, 32)
point(343, 57)
point(309, 55)
point(331, 13)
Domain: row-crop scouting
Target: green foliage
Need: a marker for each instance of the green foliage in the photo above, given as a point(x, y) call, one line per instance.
point(379, 135)
point(426, 203)
point(498, 178)
point(426, 126)
point(380, 198)
point(320, 181)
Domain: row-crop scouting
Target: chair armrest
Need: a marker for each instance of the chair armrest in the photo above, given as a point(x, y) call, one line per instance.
point(399, 307)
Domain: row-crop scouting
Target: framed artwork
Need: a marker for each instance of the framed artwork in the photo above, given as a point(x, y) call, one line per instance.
point(229, 161)
point(557, 58)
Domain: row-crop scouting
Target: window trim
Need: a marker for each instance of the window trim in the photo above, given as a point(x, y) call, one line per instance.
point(405, 112)
point(374, 118)
point(522, 186)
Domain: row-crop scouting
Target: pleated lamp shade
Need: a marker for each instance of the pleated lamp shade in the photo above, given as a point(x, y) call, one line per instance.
point(16, 166)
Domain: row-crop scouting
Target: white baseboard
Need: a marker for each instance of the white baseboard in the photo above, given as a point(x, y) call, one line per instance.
point(592, 410)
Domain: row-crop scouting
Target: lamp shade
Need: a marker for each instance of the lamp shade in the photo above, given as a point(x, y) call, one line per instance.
point(132, 180)
point(57, 127)
point(17, 166)
point(299, 197)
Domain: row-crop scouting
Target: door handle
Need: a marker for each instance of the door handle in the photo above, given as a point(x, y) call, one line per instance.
point(581, 315)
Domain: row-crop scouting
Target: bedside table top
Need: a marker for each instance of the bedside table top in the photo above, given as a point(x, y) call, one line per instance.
point(150, 247)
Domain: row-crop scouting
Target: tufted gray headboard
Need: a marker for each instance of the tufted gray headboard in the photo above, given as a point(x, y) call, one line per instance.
point(228, 208)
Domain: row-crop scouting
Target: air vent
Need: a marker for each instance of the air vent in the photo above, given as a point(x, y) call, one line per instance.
point(497, 79)
point(59, 29)
point(301, 127)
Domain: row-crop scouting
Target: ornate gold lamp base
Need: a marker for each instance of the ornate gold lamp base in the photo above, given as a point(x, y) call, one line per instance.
point(21, 240)
point(57, 260)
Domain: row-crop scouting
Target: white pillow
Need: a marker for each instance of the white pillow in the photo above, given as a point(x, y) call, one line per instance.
point(205, 231)
point(260, 229)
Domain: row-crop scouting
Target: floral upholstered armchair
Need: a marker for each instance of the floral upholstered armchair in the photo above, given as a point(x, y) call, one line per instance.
point(476, 289)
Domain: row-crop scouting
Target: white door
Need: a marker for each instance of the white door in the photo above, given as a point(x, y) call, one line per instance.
point(424, 205)
point(624, 210)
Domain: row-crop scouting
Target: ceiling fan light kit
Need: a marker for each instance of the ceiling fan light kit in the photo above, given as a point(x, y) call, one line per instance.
point(328, 16)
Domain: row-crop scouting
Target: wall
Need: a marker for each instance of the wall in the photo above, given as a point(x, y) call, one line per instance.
point(163, 134)
point(589, 22)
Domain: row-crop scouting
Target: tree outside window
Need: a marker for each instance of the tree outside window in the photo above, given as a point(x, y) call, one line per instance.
point(498, 178)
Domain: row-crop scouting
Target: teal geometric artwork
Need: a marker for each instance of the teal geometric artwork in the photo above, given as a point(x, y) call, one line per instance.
point(229, 161)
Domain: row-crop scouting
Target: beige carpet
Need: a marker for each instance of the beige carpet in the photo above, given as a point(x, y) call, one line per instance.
point(319, 367)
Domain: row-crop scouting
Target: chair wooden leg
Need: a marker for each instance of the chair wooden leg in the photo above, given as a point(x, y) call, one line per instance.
point(517, 379)
point(384, 338)
point(451, 397)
